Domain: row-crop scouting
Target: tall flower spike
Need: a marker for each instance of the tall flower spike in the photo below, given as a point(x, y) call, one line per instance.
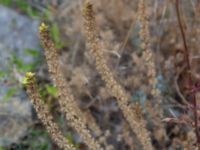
point(133, 116)
point(44, 114)
point(148, 55)
point(66, 100)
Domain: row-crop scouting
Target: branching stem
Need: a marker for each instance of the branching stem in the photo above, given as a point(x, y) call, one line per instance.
point(187, 60)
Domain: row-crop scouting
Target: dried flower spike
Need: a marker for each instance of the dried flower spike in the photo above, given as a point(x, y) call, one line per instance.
point(67, 101)
point(43, 113)
point(133, 116)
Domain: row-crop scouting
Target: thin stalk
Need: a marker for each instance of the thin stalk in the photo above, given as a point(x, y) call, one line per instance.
point(187, 59)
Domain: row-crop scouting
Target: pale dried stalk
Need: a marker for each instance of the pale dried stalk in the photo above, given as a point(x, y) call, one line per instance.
point(133, 116)
point(66, 100)
point(46, 118)
point(92, 123)
point(148, 55)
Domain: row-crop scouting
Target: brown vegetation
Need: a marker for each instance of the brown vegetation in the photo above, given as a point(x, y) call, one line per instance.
point(166, 72)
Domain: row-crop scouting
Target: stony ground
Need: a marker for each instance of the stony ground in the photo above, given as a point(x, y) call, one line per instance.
point(18, 33)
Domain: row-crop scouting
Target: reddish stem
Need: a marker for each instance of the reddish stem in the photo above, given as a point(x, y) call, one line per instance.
point(187, 59)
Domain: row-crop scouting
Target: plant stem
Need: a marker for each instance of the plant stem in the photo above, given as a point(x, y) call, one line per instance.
point(187, 59)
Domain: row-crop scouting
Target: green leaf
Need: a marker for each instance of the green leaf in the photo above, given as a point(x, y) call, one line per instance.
point(22, 4)
point(11, 92)
point(32, 52)
point(47, 15)
point(71, 141)
point(2, 74)
point(24, 67)
point(1, 148)
point(55, 33)
point(7, 3)
point(52, 90)
point(38, 139)
point(32, 13)
point(15, 60)
point(70, 138)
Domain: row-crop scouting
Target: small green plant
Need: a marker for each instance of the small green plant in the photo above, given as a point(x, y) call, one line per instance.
point(11, 92)
point(52, 90)
point(39, 144)
point(1, 148)
point(55, 33)
point(22, 5)
point(7, 3)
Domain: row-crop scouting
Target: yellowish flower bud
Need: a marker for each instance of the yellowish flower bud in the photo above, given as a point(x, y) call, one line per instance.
point(43, 27)
point(29, 76)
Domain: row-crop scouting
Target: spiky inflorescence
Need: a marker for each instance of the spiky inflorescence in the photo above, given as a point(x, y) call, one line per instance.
point(148, 54)
point(66, 100)
point(44, 114)
point(132, 115)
